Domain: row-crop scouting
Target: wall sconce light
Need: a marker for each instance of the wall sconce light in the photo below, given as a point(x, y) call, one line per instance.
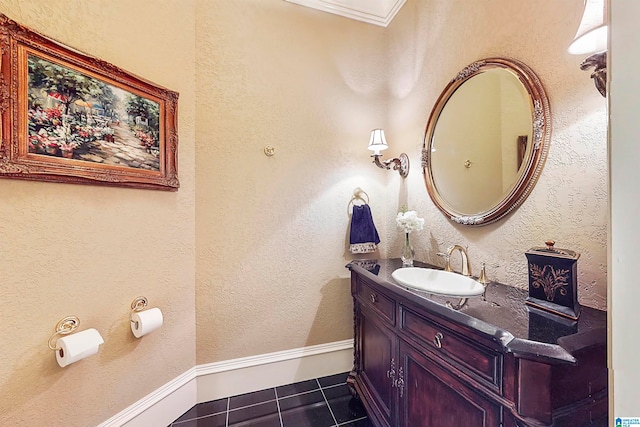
point(378, 143)
point(592, 37)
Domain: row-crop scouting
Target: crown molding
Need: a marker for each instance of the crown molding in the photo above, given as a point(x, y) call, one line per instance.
point(377, 12)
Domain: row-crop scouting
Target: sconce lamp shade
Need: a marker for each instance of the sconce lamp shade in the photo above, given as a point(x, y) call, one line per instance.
point(377, 142)
point(592, 32)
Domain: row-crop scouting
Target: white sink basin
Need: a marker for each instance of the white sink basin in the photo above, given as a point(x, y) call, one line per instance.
point(438, 282)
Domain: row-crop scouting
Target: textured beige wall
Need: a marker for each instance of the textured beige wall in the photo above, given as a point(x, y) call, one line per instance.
point(89, 251)
point(429, 42)
point(273, 231)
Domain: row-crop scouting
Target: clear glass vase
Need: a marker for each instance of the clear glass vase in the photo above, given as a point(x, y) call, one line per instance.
point(408, 254)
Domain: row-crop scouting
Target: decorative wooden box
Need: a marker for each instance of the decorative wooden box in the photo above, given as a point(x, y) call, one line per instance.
point(553, 280)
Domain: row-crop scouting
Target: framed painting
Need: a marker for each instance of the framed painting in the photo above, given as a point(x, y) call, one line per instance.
point(70, 117)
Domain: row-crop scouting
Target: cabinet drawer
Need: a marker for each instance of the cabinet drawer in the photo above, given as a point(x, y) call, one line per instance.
point(482, 362)
point(377, 301)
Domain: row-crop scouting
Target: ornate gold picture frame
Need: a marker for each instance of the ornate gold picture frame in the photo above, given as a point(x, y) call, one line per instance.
point(70, 117)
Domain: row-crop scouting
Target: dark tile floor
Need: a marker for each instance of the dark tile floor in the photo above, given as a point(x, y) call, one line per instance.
point(322, 402)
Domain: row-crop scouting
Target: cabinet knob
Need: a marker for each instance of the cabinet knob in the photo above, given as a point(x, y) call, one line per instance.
point(374, 298)
point(437, 340)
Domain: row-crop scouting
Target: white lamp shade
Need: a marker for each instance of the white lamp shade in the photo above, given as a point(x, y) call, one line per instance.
point(592, 31)
point(377, 142)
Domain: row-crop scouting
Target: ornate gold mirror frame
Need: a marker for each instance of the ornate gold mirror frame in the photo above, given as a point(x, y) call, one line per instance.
point(530, 160)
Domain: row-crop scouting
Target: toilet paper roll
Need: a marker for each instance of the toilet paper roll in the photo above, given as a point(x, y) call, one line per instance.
point(143, 322)
point(77, 346)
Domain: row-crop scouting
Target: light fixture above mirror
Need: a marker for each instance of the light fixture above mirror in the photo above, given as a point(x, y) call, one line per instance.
point(592, 37)
point(378, 143)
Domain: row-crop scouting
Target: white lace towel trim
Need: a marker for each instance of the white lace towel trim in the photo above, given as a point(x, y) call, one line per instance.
point(362, 248)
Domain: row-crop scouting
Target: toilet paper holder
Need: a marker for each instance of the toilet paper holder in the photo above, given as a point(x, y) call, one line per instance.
point(64, 327)
point(142, 320)
point(137, 305)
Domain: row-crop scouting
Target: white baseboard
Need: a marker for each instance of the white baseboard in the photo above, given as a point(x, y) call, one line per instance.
point(228, 378)
point(238, 376)
point(160, 407)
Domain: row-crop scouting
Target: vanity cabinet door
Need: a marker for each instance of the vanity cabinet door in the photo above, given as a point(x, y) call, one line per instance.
point(377, 368)
point(430, 395)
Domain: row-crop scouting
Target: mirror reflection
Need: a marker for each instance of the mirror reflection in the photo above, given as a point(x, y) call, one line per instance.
point(486, 141)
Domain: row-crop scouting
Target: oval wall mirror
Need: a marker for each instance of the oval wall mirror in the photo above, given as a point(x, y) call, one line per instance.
point(486, 141)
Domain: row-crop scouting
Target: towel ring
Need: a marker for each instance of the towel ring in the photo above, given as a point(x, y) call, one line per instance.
point(357, 195)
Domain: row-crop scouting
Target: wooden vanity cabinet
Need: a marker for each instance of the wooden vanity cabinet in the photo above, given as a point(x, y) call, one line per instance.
point(377, 366)
point(431, 395)
point(417, 365)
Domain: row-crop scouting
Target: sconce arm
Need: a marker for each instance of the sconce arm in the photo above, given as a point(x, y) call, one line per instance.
point(400, 163)
point(599, 75)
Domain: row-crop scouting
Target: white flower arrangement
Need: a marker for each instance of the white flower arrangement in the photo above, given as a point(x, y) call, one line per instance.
point(409, 221)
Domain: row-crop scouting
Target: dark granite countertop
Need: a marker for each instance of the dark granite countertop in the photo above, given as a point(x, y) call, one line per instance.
point(524, 330)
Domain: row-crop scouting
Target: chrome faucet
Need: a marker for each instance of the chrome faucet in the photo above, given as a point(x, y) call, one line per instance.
point(466, 265)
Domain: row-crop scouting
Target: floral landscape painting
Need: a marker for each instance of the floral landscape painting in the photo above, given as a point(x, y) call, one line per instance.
point(75, 116)
point(69, 117)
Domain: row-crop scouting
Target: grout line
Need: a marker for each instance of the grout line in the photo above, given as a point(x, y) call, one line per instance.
point(252, 405)
point(298, 394)
point(351, 421)
point(176, 424)
point(325, 399)
point(278, 405)
point(332, 386)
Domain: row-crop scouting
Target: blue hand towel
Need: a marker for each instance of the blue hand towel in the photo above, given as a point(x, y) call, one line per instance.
point(363, 237)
